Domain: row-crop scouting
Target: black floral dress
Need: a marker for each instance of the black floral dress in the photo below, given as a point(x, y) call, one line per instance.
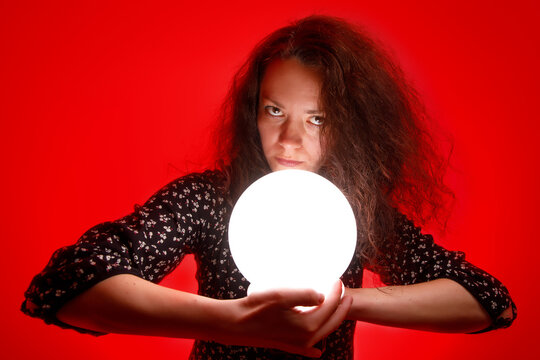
point(190, 216)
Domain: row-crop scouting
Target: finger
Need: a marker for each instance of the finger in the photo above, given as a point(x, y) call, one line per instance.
point(301, 297)
point(288, 298)
point(330, 304)
point(334, 321)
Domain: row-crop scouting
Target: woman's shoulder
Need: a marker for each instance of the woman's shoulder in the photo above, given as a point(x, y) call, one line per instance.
point(208, 179)
point(209, 184)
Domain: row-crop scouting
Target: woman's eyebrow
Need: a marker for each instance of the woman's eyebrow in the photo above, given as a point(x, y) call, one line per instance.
point(273, 101)
point(310, 112)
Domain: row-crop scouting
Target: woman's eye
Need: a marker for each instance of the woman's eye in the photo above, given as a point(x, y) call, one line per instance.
point(273, 110)
point(316, 120)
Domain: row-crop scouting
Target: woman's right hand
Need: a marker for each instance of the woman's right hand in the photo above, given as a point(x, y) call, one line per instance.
point(272, 319)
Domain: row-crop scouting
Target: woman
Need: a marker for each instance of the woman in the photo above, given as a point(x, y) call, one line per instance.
point(320, 96)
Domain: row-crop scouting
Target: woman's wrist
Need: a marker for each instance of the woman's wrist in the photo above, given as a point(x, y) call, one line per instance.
point(362, 297)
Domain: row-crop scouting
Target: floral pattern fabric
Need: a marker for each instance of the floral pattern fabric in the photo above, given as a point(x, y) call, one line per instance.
point(190, 216)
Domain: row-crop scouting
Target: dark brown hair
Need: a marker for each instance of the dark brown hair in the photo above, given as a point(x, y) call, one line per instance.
point(376, 151)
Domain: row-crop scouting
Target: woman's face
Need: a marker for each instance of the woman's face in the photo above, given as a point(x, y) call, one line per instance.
point(289, 118)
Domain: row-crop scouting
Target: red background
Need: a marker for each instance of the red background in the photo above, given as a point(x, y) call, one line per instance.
point(101, 104)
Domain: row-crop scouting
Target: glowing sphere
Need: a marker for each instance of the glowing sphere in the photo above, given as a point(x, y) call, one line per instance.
point(292, 229)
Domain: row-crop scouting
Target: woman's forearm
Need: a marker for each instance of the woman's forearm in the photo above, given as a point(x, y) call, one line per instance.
point(440, 305)
point(130, 305)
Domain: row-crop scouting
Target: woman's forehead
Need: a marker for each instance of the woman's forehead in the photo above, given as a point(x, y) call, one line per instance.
point(285, 79)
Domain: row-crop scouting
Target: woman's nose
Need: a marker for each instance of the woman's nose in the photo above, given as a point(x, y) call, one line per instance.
point(291, 134)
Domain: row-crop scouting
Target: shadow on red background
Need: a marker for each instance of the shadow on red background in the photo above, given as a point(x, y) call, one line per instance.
point(103, 104)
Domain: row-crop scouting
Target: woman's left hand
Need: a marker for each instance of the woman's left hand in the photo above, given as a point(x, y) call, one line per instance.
point(272, 319)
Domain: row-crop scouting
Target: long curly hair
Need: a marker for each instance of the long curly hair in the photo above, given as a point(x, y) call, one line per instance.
point(376, 147)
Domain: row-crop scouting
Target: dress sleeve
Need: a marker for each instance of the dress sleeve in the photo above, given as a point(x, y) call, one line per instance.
point(149, 243)
point(415, 258)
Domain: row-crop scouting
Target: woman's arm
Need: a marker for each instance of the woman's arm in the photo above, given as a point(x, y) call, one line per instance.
point(148, 243)
point(440, 305)
point(432, 288)
point(130, 305)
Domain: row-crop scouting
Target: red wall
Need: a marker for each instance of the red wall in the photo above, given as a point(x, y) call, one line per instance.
point(102, 104)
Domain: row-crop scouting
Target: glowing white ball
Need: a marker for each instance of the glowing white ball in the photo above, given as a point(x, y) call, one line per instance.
point(292, 229)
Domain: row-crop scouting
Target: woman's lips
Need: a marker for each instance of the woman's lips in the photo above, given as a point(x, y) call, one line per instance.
point(288, 163)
